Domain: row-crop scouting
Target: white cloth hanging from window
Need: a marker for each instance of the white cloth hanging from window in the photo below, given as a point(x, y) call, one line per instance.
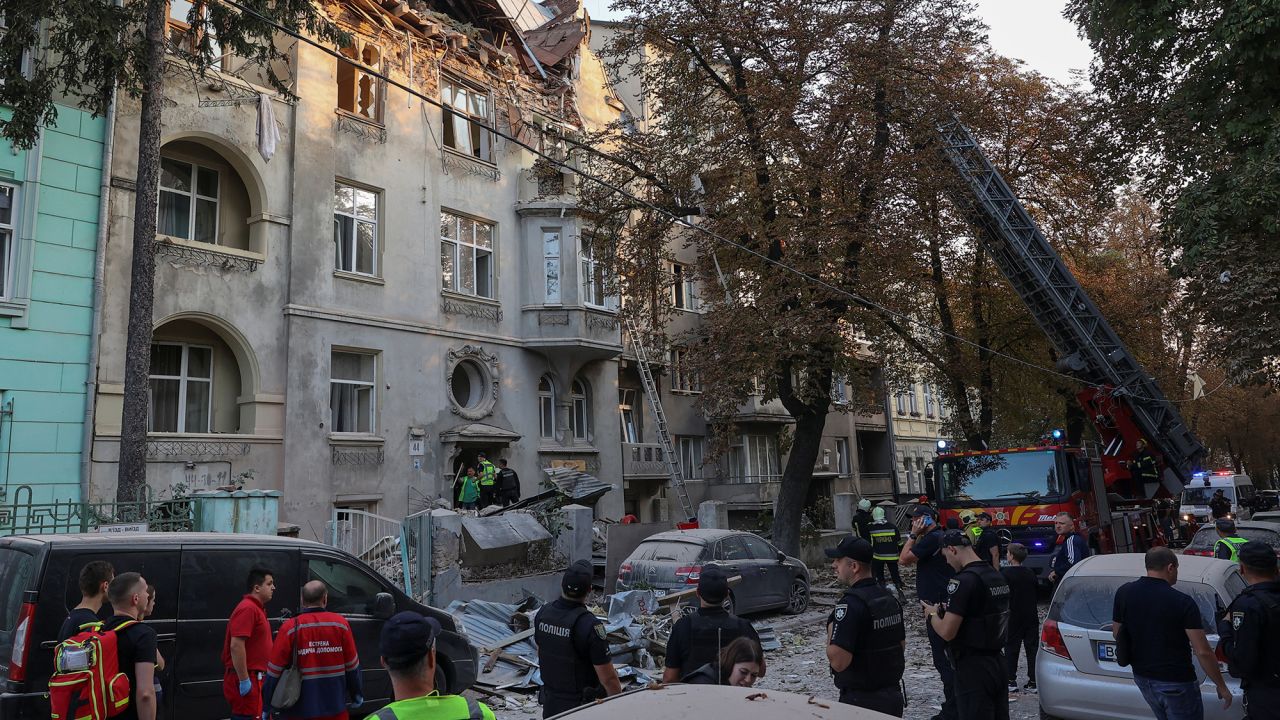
point(268, 131)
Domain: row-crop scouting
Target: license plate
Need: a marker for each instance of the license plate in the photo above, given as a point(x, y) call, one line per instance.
point(1106, 652)
point(659, 593)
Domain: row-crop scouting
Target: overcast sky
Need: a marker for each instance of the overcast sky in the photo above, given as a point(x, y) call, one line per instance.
point(1032, 31)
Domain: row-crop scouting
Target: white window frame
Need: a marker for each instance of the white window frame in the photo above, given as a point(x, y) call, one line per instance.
point(684, 288)
point(457, 248)
point(546, 408)
point(844, 466)
point(913, 401)
point(683, 379)
point(194, 197)
point(628, 420)
point(183, 380)
point(341, 216)
point(928, 400)
point(552, 240)
point(580, 414)
point(839, 393)
point(372, 386)
point(8, 242)
point(457, 118)
point(759, 453)
point(589, 266)
point(692, 451)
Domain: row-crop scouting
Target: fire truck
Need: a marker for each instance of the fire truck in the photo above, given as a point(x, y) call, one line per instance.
point(1024, 488)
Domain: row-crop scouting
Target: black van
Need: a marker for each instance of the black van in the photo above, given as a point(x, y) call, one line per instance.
point(199, 578)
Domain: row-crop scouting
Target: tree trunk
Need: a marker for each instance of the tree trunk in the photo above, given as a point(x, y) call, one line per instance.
point(796, 477)
point(132, 478)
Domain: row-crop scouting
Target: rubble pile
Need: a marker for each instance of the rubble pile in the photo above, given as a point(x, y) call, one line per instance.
point(637, 624)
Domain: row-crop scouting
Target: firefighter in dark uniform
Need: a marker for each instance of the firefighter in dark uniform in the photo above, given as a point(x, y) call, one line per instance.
point(866, 638)
point(974, 620)
point(1143, 466)
point(1250, 632)
point(572, 650)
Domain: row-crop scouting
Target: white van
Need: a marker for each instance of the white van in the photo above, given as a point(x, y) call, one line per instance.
point(1237, 488)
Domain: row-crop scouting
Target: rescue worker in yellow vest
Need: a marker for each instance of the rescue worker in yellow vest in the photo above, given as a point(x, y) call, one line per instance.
point(885, 547)
point(408, 649)
point(488, 481)
point(969, 523)
point(1228, 545)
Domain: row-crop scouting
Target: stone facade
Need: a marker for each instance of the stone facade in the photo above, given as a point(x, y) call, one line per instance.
point(919, 416)
point(49, 208)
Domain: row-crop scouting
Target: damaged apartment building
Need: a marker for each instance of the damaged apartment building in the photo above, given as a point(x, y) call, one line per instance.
point(358, 291)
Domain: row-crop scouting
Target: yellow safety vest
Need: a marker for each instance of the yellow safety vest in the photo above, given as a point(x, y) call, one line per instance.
point(1232, 543)
point(435, 707)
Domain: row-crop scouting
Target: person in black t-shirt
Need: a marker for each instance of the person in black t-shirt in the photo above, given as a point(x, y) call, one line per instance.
point(924, 550)
point(95, 576)
point(135, 644)
point(988, 546)
point(1157, 622)
point(1024, 619)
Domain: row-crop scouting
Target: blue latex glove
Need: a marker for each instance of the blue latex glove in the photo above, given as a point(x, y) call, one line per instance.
point(355, 704)
point(245, 686)
point(266, 715)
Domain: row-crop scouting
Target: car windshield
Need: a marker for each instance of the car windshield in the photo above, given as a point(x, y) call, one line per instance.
point(1202, 495)
point(665, 551)
point(1007, 475)
point(1208, 535)
point(1086, 602)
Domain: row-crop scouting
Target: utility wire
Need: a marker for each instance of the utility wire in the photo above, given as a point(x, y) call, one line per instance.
point(860, 300)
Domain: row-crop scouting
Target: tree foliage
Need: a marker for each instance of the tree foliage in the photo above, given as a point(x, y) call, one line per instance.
point(1193, 98)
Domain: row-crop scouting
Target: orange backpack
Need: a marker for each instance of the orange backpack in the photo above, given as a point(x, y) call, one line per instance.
point(87, 683)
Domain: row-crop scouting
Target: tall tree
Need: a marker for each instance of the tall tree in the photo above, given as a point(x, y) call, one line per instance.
point(795, 131)
point(1193, 98)
point(84, 52)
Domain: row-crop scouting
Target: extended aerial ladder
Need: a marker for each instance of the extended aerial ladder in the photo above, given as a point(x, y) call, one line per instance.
point(1122, 400)
point(672, 460)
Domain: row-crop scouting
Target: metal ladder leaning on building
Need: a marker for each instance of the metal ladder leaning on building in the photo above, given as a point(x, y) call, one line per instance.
point(664, 433)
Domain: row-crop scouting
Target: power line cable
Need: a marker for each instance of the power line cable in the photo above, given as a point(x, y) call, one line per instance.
point(860, 300)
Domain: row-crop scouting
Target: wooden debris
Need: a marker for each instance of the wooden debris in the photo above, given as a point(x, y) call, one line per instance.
point(509, 640)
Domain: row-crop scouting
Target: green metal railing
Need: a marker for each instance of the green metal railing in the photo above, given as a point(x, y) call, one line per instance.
point(21, 516)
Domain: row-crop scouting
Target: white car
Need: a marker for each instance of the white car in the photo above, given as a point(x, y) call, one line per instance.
point(1076, 671)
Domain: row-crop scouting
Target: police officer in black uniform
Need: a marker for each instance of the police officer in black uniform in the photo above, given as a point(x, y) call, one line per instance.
point(866, 638)
point(572, 651)
point(698, 637)
point(924, 550)
point(1250, 632)
point(974, 621)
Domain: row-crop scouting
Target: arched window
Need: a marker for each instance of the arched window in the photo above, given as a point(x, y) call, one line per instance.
point(581, 418)
point(546, 408)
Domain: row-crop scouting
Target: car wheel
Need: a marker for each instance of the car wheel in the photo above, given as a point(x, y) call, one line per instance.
point(798, 601)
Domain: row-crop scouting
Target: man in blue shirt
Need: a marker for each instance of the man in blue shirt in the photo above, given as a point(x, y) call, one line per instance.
point(924, 550)
point(1069, 548)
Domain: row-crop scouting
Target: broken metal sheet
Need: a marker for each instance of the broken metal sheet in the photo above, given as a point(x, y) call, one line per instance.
point(625, 607)
point(503, 531)
point(485, 633)
point(768, 638)
point(582, 488)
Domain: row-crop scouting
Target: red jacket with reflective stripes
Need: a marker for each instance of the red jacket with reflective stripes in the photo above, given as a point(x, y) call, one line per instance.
point(328, 661)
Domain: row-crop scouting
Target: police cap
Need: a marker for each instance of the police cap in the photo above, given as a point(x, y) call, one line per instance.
point(854, 548)
point(577, 579)
point(1257, 555)
point(406, 638)
point(923, 511)
point(1226, 525)
point(956, 538)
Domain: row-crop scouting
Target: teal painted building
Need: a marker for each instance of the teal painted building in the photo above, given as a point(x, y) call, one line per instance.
point(49, 208)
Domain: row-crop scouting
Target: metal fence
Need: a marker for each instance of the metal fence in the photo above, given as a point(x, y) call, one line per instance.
point(399, 551)
point(22, 516)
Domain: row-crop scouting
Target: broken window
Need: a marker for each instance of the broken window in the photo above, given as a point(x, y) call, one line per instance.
point(551, 263)
point(684, 290)
point(466, 116)
point(355, 229)
point(466, 255)
point(359, 91)
point(685, 378)
point(184, 31)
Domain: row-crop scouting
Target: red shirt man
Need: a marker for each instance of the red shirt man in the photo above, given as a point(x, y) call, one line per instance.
point(247, 647)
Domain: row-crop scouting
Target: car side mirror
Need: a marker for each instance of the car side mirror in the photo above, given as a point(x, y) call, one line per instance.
point(384, 606)
point(782, 557)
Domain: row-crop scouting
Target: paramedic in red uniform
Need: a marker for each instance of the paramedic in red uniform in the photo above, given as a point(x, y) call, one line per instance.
point(247, 645)
point(327, 659)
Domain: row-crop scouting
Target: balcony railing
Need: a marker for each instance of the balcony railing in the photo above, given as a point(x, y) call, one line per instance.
point(643, 459)
point(752, 479)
